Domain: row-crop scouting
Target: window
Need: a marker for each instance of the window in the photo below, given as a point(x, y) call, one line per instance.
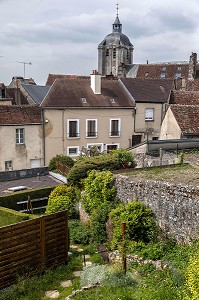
point(91, 128)
point(73, 151)
point(107, 52)
point(114, 53)
point(179, 68)
point(162, 75)
point(111, 147)
point(73, 128)
point(146, 74)
point(178, 75)
point(99, 146)
point(115, 127)
point(149, 114)
point(8, 165)
point(20, 136)
point(163, 68)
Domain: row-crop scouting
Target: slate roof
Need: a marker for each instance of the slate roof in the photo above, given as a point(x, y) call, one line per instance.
point(154, 71)
point(52, 77)
point(187, 117)
point(36, 92)
point(19, 115)
point(73, 92)
point(185, 97)
point(147, 90)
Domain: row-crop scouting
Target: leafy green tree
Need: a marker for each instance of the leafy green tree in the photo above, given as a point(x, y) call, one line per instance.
point(98, 200)
point(99, 188)
point(125, 158)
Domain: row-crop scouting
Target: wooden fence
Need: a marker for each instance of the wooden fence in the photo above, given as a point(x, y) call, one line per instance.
point(32, 246)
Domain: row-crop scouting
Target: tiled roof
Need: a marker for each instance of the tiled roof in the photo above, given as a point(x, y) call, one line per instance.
point(19, 115)
point(163, 70)
point(148, 90)
point(11, 93)
point(192, 85)
point(73, 92)
point(185, 97)
point(52, 77)
point(187, 117)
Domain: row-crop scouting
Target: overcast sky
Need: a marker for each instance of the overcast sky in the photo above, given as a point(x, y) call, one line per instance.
point(61, 37)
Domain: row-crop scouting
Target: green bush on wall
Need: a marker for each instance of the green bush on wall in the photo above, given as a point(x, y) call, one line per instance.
point(140, 223)
point(61, 198)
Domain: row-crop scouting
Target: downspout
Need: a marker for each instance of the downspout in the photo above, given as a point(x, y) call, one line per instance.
point(43, 137)
point(63, 149)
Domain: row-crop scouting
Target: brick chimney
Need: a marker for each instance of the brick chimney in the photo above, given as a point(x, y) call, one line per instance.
point(96, 82)
point(192, 66)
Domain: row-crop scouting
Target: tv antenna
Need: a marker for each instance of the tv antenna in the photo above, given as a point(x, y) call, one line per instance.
point(24, 66)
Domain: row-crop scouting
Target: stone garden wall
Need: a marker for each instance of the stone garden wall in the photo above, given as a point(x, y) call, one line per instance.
point(176, 207)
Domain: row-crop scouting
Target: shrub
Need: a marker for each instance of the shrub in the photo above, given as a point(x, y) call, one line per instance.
point(105, 276)
point(125, 158)
point(63, 197)
point(81, 168)
point(99, 188)
point(79, 233)
point(140, 223)
point(63, 159)
point(98, 200)
point(192, 277)
point(98, 222)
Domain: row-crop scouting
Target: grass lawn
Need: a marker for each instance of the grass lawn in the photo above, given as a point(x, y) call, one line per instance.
point(146, 283)
point(185, 174)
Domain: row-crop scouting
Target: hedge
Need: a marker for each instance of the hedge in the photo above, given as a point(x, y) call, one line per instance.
point(9, 216)
point(82, 167)
point(10, 201)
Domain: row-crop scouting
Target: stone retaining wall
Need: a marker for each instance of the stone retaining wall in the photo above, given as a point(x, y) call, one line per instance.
point(176, 207)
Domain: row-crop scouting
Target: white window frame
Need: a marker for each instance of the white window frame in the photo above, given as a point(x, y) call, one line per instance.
point(149, 114)
point(96, 144)
point(73, 147)
point(8, 165)
point(68, 133)
point(119, 127)
point(94, 136)
point(20, 136)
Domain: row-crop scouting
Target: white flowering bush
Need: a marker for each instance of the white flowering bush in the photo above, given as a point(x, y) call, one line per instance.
point(105, 276)
point(93, 274)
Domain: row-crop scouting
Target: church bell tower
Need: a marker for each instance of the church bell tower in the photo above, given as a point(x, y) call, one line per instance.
point(115, 52)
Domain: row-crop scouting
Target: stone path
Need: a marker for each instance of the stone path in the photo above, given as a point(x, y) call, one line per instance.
point(67, 283)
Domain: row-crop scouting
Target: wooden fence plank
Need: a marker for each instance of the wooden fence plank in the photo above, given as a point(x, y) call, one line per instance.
point(33, 245)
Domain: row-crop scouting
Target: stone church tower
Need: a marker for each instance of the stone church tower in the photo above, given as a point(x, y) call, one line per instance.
point(115, 52)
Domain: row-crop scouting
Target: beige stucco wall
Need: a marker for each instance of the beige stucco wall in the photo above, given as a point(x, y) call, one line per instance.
point(56, 140)
point(170, 128)
point(20, 155)
point(148, 129)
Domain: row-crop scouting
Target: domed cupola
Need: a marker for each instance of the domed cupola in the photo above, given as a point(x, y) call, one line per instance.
point(115, 52)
